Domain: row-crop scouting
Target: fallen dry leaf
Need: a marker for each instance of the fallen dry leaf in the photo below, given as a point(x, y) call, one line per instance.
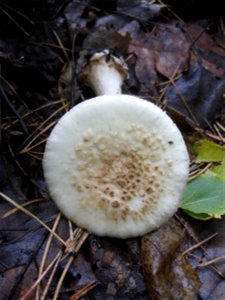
point(168, 274)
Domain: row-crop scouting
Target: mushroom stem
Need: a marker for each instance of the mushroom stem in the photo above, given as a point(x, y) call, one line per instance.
point(105, 73)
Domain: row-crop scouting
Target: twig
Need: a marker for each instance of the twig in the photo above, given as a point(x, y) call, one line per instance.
point(79, 237)
point(14, 21)
point(24, 297)
point(51, 276)
point(83, 291)
point(58, 287)
point(199, 244)
point(200, 171)
point(12, 211)
point(40, 126)
point(61, 46)
point(44, 258)
point(212, 261)
point(27, 212)
point(23, 125)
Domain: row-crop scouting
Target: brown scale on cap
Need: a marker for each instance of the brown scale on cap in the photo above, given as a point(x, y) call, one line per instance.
point(123, 174)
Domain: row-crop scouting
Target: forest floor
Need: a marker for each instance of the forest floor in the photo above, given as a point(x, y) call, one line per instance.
point(176, 59)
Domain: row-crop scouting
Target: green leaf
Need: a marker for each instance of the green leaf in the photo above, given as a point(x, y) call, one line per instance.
point(204, 197)
point(220, 170)
point(202, 217)
point(208, 151)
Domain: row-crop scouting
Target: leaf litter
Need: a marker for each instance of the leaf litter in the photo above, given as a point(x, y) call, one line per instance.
point(175, 61)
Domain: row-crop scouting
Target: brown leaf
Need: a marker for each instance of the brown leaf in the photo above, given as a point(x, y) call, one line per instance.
point(117, 268)
point(174, 56)
point(164, 50)
point(8, 281)
point(141, 10)
point(198, 95)
point(107, 39)
point(143, 46)
point(169, 275)
point(209, 47)
point(213, 275)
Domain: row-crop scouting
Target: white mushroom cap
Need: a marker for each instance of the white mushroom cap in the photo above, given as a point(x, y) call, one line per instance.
point(116, 165)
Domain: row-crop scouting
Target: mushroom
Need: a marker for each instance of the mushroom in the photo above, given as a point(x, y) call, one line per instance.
point(105, 73)
point(116, 165)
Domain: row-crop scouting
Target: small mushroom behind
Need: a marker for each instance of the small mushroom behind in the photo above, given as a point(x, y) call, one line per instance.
point(105, 73)
point(116, 165)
